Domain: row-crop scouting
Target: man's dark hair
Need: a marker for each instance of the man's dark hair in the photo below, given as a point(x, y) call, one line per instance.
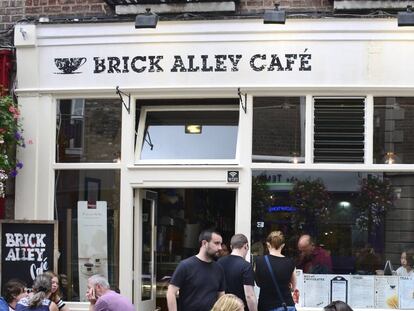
point(206, 235)
point(12, 289)
point(337, 306)
point(238, 241)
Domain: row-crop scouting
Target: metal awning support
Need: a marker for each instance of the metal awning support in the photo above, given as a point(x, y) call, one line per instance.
point(243, 102)
point(120, 93)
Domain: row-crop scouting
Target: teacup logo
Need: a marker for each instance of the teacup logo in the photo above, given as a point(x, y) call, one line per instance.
point(68, 65)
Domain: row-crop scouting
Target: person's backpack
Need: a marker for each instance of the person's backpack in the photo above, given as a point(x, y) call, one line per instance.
point(3, 305)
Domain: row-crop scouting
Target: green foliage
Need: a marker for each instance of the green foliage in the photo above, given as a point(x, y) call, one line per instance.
point(374, 199)
point(10, 137)
point(312, 202)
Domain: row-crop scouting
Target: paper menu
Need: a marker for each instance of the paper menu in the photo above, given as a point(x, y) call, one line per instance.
point(316, 290)
point(386, 292)
point(300, 287)
point(361, 293)
point(406, 289)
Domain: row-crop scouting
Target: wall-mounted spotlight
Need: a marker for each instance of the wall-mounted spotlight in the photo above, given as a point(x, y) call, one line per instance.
point(406, 18)
point(275, 16)
point(146, 20)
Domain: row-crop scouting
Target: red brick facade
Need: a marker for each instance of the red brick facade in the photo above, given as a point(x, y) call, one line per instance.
point(12, 11)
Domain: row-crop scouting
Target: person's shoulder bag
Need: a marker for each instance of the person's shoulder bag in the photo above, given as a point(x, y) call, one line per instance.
point(284, 307)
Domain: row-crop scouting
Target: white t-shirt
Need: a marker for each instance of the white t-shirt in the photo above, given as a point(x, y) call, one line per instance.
point(403, 272)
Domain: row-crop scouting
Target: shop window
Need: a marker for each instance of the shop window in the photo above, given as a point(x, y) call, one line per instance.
point(339, 130)
point(205, 132)
point(362, 219)
point(393, 128)
point(88, 130)
point(87, 209)
point(279, 129)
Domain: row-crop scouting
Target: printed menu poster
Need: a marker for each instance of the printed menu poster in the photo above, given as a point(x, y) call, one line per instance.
point(386, 292)
point(406, 285)
point(299, 286)
point(316, 290)
point(92, 242)
point(361, 291)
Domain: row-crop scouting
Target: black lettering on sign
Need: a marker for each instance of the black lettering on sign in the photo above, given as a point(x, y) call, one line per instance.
point(178, 63)
point(253, 60)
point(275, 62)
point(235, 59)
point(154, 62)
point(99, 65)
point(134, 66)
point(220, 62)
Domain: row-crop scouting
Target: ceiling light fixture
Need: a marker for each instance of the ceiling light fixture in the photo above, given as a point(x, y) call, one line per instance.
point(193, 129)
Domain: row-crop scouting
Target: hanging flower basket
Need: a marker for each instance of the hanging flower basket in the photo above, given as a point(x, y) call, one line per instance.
point(375, 198)
point(10, 137)
point(312, 202)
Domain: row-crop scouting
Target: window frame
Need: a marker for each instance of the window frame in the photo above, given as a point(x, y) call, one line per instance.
point(139, 141)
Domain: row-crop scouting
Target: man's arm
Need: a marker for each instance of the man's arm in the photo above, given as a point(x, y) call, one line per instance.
point(250, 297)
point(172, 297)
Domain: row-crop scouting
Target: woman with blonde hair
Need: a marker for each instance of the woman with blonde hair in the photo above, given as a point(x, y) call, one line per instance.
point(228, 302)
point(39, 301)
point(276, 276)
point(56, 295)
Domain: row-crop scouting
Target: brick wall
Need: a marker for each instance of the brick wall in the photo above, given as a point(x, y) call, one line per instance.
point(10, 12)
point(14, 10)
point(66, 8)
point(257, 6)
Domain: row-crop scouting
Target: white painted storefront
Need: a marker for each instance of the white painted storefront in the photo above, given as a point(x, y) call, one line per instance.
point(196, 59)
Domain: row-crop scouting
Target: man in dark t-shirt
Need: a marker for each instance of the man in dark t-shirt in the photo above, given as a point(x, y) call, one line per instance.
point(239, 272)
point(198, 280)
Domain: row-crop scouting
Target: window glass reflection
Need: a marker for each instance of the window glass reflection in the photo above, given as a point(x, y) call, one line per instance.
point(361, 219)
point(88, 130)
point(87, 209)
point(278, 129)
point(190, 135)
point(393, 128)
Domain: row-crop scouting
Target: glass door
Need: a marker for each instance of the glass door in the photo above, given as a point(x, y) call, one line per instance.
point(145, 234)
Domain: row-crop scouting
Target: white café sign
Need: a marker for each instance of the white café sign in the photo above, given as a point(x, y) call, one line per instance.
point(186, 63)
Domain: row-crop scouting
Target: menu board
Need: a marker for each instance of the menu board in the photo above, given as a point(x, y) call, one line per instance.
point(316, 289)
point(92, 242)
point(339, 288)
point(27, 249)
point(406, 289)
point(361, 291)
